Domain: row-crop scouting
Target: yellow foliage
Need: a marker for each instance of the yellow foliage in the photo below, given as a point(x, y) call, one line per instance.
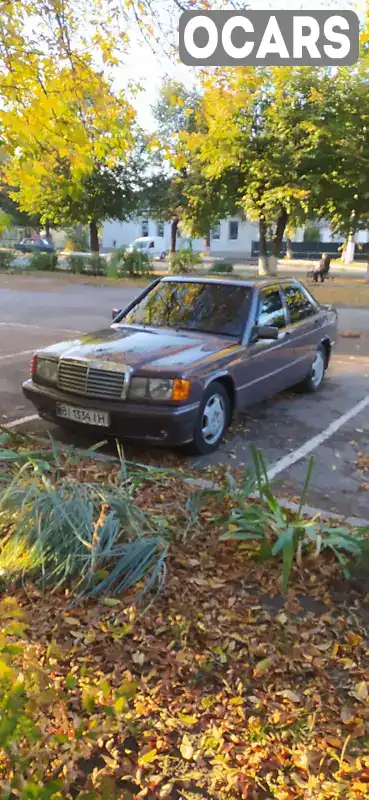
point(59, 113)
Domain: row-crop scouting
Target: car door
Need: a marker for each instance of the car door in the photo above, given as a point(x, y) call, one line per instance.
point(267, 361)
point(304, 325)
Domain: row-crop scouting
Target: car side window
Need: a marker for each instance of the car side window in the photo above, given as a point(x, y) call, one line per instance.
point(271, 311)
point(298, 304)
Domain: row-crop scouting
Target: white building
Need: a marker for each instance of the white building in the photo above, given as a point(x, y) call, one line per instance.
point(326, 235)
point(232, 237)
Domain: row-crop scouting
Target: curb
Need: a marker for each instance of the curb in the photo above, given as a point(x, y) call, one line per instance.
point(306, 511)
point(202, 483)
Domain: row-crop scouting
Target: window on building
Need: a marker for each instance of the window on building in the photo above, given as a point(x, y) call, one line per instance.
point(160, 229)
point(271, 309)
point(215, 233)
point(298, 303)
point(233, 229)
point(145, 227)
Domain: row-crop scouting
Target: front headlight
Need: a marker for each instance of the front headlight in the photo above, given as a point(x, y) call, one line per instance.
point(159, 389)
point(46, 369)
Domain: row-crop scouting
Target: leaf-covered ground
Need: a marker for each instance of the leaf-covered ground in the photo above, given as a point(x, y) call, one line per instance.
point(223, 688)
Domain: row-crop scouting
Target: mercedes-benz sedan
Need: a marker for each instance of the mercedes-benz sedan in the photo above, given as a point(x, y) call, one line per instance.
point(177, 364)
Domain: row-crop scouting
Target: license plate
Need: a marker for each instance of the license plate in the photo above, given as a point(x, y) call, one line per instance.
point(84, 415)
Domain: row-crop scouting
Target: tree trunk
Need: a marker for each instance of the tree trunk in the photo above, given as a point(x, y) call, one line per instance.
point(289, 249)
point(208, 243)
point(47, 230)
point(263, 257)
point(350, 249)
point(277, 241)
point(94, 238)
point(173, 235)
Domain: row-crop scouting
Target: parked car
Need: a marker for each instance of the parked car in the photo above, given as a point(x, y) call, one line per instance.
point(35, 246)
point(152, 246)
point(184, 357)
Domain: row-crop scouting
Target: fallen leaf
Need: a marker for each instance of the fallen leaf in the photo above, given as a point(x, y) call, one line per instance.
point(354, 638)
point(186, 748)
point(333, 741)
point(111, 601)
point(187, 719)
point(72, 621)
point(293, 696)
point(360, 691)
point(262, 667)
point(148, 757)
point(347, 715)
point(138, 658)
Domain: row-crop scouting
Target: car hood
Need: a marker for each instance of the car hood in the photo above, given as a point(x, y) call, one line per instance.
point(159, 349)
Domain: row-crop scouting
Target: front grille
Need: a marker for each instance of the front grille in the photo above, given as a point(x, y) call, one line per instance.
point(78, 378)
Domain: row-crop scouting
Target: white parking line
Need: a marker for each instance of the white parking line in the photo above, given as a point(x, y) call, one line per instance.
point(14, 355)
point(296, 455)
point(36, 327)
point(21, 421)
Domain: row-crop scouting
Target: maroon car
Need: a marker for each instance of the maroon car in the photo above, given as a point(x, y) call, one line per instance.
point(183, 357)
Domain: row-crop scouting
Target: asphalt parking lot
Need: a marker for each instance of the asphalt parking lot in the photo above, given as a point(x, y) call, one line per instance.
point(331, 425)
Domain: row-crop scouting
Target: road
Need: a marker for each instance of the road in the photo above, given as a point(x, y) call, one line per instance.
point(44, 312)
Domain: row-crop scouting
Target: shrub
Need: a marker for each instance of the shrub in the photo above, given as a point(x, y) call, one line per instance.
point(45, 262)
point(115, 260)
point(78, 241)
point(87, 265)
point(77, 264)
point(7, 258)
point(80, 536)
point(278, 532)
point(97, 265)
point(221, 268)
point(132, 264)
point(183, 262)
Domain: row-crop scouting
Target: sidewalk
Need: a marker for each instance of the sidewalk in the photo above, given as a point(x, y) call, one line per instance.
point(359, 270)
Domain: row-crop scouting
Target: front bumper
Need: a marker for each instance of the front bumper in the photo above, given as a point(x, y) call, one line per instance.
point(156, 424)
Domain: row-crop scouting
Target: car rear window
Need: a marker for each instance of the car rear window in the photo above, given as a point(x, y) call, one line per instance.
point(271, 310)
point(205, 307)
point(298, 303)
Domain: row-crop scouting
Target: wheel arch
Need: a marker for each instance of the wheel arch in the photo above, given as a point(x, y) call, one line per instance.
point(326, 343)
point(226, 380)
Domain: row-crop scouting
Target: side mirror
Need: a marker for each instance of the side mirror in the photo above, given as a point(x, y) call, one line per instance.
point(266, 332)
point(115, 312)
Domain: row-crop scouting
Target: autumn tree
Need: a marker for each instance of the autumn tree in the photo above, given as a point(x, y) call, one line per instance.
point(62, 121)
point(262, 126)
point(342, 193)
point(174, 113)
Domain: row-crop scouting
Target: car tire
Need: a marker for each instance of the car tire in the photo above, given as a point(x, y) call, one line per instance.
point(213, 419)
point(314, 380)
point(163, 256)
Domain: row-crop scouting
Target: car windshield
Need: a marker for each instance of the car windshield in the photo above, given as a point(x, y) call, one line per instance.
point(140, 245)
point(206, 307)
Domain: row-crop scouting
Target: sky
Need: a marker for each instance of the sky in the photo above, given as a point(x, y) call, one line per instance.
point(150, 68)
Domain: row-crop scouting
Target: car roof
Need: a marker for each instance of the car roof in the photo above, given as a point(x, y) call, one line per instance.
point(251, 283)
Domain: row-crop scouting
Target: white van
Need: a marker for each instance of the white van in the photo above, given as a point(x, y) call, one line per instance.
point(153, 246)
